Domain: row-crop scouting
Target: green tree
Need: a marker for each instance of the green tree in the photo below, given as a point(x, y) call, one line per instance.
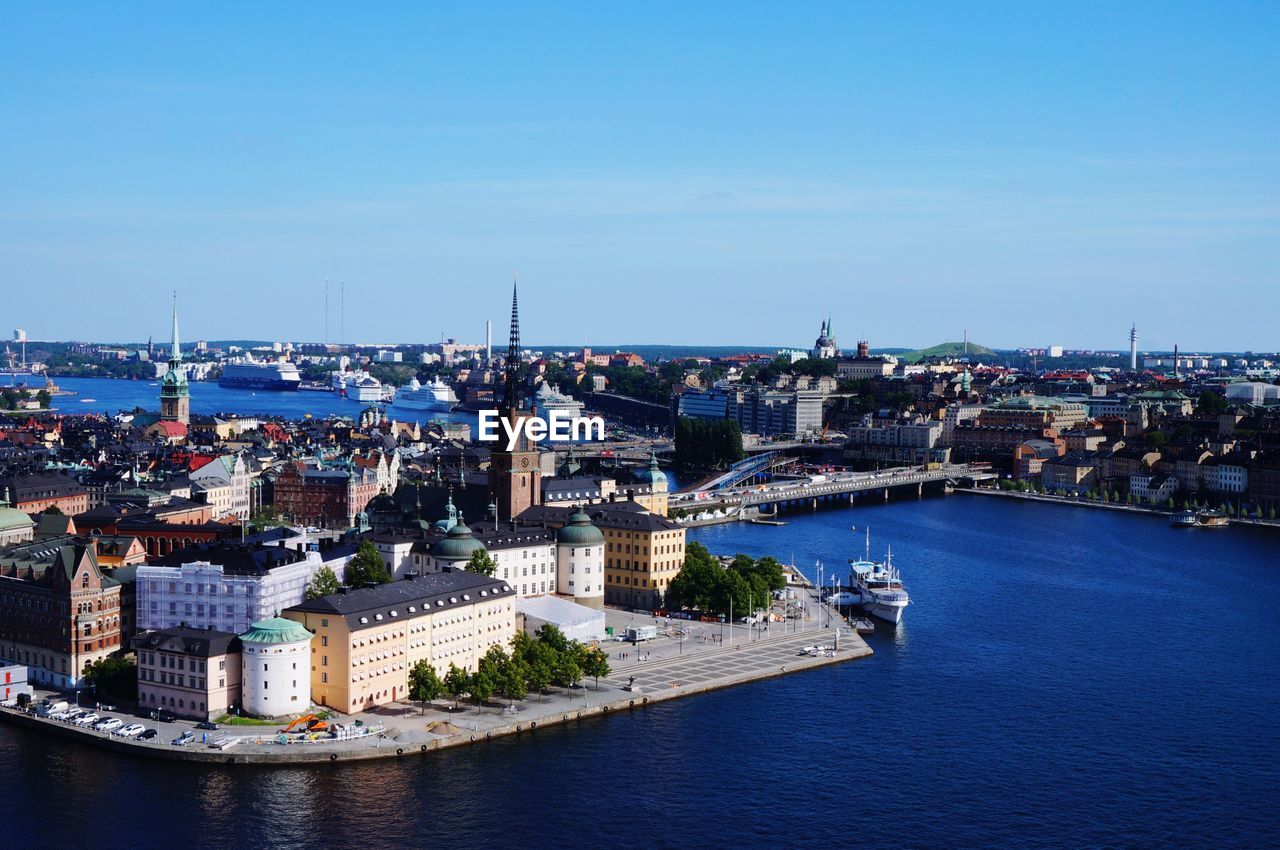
point(594, 662)
point(567, 672)
point(457, 683)
point(53, 510)
point(114, 678)
point(367, 566)
point(552, 636)
point(323, 583)
point(44, 398)
point(425, 685)
point(483, 683)
point(481, 563)
point(1211, 403)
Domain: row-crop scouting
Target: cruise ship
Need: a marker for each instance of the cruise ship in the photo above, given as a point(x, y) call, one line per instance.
point(252, 375)
point(548, 399)
point(359, 385)
point(875, 587)
point(437, 395)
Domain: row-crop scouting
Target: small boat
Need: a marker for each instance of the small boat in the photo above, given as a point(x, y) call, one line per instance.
point(863, 626)
point(1199, 519)
point(87, 400)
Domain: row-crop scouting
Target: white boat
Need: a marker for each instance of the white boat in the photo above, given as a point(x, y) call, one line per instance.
point(361, 386)
point(878, 586)
point(437, 395)
point(548, 399)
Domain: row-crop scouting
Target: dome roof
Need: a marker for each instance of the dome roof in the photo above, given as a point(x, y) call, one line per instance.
point(275, 630)
point(579, 531)
point(383, 503)
point(11, 518)
point(652, 475)
point(457, 545)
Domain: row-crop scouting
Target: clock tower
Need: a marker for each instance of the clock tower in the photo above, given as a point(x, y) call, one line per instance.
point(516, 475)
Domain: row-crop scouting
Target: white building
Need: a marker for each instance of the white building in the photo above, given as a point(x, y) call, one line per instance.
point(577, 622)
point(13, 681)
point(225, 482)
point(275, 675)
point(227, 587)
point(1253, 392)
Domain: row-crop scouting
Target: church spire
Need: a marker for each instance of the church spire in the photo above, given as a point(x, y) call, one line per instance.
point(512, 386)
point(175, 351)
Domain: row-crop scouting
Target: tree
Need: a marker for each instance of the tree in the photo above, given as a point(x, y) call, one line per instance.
point(481, 563)
point(567, 671)
point(552, 636)
point(323, 583)
point(594, 663)
point(53, 510)
point(425, 685)
point(44, 398)
point(114, 677)
point(367, 567)
point(540, 667)
point(457, 683)
point(1211, 403)
point(483, 683)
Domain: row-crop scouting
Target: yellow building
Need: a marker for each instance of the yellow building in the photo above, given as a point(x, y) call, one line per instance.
point(643, 551)
point(367, 639)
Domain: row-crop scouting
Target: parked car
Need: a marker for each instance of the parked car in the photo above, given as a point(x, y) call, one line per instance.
point(72, 713)
point(86, 719)
point(185, 738)
point(133, 730)
point(148, 735)
point(108, 724)
point(206, 724)
point(57, 715)
point(163, 715)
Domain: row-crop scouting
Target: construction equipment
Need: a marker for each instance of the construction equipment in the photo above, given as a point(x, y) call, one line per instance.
point(309, 722)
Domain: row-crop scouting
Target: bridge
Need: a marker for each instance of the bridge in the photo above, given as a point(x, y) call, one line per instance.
point(816, 489)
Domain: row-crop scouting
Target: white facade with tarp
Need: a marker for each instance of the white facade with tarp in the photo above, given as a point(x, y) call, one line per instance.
point(578, 622)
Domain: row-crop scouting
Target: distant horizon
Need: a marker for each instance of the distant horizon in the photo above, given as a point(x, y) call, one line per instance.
point(609, 348)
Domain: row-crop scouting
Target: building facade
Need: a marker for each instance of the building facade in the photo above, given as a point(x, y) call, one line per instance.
point(190, 672)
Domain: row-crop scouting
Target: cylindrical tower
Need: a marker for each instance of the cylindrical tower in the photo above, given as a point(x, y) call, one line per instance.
point(276, 668)
point(580, 561)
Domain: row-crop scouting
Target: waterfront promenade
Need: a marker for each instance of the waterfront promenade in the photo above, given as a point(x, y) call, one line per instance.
point(1075, 501)
point(677, 665)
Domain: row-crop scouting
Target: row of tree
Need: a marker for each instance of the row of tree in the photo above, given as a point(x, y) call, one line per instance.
point(708, 442)
point(533, 664)
point(745, 585)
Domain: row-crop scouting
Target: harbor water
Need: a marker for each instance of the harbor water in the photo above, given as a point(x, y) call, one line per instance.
point(1064, 677)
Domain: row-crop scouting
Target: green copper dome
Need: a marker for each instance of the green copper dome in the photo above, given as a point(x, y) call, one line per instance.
point(579, 531)
point(652, 475)
point(457, 545)
point(275, 630)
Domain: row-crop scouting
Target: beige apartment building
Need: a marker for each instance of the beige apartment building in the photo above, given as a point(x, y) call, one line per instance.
point(367, 639)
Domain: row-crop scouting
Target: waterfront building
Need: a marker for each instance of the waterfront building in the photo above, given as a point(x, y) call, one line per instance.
point(175, 394)
point(275, 668)
point(13, 681)
point(1228, 474)
point(1074, 472)
point(1154, 488)
point(643, 551)
point(228, 585)
point(191, 672)
point(368, 639)
point(913, 441)
point(59, 612)
point(1264, 480)
point(1029, 457)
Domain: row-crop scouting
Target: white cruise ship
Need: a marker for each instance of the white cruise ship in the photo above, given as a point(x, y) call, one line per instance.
point(548, 399)
point(875, 587)
point(437, 395)
point(361, 386)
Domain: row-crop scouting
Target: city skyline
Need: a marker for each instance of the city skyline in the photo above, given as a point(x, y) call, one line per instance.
point(1045, 177)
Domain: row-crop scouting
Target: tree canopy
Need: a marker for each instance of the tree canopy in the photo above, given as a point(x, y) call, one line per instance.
point(702, 584)
point(367, 566)
point(323, 583)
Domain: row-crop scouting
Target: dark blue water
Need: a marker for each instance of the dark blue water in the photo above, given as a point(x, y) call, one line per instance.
point(1064, 678)
point(108, 395)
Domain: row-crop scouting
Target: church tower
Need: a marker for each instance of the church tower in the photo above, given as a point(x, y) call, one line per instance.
point(175, 395)
point(515, 475)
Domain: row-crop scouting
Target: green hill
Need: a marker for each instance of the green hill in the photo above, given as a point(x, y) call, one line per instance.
point(946, 349)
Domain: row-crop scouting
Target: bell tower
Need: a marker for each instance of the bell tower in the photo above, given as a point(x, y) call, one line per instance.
point(516, 474)
point(175, 395)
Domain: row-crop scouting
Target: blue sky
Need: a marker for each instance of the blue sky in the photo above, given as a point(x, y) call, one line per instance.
point(729, 173)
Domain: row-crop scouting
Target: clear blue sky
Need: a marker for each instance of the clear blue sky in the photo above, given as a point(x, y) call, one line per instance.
point(717, 173)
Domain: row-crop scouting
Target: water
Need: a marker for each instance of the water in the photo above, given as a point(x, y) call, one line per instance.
point(1064, 678)
point(110, 396)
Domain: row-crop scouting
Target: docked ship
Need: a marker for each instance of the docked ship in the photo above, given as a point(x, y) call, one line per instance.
point(253, 375)
point(437, 395)
point(1199, 519)
point(875, 587)
point(361, 386)
point(548, 399)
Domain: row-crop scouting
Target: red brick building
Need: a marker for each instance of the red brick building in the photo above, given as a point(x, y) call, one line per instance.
point(328, 498)
point(59, 612)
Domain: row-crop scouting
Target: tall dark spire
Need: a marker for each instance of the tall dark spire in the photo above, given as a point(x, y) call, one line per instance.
point(513, 389)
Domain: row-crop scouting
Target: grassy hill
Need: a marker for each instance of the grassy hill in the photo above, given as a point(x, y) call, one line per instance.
point(947, 349)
